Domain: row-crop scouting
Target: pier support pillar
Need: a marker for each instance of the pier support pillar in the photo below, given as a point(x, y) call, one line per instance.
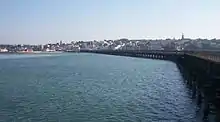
point(217, 117)
point(199, 98)
point(193, 90)
point(206, 109)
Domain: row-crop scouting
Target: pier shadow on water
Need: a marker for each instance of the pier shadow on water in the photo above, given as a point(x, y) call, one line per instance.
point(202, 94)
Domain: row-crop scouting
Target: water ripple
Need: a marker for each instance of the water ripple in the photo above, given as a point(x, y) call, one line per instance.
point(93, 88)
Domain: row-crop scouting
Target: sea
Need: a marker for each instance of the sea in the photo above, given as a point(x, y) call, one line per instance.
point(82, 87)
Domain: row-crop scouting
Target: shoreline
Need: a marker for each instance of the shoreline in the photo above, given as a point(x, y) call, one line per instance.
point(35, 52)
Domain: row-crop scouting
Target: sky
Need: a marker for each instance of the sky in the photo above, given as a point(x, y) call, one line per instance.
point(49, 21)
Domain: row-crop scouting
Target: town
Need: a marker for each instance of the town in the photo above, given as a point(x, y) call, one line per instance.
point(181, 44)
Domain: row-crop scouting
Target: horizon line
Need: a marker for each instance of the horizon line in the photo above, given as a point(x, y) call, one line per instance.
point(163, 39)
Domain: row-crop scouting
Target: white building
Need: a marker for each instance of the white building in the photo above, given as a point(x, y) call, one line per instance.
point(155, 45)
point(3, 50)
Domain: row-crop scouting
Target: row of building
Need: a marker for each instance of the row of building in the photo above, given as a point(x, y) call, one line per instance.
point(120, 44)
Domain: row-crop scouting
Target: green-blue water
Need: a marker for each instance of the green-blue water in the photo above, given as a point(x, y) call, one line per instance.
point(91, 88)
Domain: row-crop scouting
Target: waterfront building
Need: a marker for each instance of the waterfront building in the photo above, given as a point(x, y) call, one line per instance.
point(3, 50)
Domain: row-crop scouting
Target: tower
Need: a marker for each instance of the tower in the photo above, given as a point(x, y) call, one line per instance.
point(61, 42)
point(182, 36)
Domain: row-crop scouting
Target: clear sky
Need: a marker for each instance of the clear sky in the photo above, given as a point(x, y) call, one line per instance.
point(43, 21)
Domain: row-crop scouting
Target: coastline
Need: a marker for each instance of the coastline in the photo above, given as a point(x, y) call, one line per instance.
point(34, 52)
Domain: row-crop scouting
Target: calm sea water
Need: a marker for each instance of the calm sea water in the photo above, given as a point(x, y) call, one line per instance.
point(92, 88)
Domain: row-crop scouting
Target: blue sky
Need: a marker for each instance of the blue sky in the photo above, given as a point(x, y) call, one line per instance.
point(43, 21)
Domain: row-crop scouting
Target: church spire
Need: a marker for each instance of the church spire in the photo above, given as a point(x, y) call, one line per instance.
point(182, 36)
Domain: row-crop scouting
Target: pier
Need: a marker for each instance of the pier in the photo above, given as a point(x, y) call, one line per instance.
point(200, 70)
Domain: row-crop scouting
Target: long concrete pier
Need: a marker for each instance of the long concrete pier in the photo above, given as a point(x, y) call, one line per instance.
point(201, 71)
